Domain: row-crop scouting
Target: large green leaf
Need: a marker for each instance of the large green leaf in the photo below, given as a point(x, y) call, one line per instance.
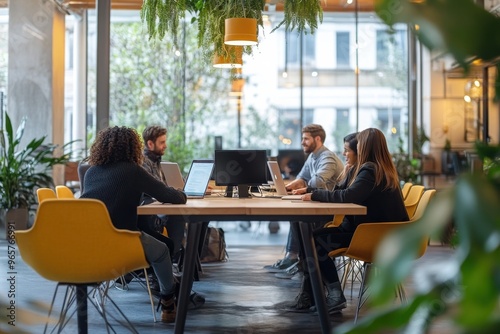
point(24, 169)
point(465, 289)
point(477, 216)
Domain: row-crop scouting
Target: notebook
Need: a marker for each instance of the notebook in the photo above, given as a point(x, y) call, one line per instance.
point(198, 177)
point(172, 174)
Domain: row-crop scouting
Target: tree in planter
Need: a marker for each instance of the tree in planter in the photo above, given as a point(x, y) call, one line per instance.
point(23, 170)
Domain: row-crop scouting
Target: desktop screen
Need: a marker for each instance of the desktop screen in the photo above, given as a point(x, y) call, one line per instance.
point(240, 167)
point(291, 162)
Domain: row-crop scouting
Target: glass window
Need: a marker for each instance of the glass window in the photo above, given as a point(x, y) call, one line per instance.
point(389, 44)
point(154, 84)
point(292, 54)
point(342, 49)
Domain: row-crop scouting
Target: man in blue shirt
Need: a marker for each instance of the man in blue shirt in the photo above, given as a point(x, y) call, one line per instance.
point(320, 171)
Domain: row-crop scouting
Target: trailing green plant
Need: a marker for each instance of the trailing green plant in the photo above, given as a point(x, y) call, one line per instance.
point(23, 170)
point(163, 16)
point(211, 16)
point(301, 14)
point(464, 289)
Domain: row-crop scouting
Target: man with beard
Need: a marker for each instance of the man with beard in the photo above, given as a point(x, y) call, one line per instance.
point(320, 171)
point(155, 144)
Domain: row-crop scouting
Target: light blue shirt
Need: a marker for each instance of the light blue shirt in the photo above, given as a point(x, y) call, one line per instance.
point(321, 169)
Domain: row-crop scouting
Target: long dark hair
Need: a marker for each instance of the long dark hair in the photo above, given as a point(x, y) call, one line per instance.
point(373, 148)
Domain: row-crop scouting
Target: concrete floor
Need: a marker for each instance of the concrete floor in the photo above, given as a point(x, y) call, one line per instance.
point(241, 296)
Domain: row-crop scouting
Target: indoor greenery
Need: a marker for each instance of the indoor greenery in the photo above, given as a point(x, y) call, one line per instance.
point(164, 16)
point(464, 290)
point(24, 169)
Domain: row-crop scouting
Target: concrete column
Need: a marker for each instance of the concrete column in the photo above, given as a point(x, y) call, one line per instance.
point(80, 83)
point(102, 66)
point(36, 69)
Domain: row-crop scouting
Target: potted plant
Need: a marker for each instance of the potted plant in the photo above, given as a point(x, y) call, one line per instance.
point(22, 171)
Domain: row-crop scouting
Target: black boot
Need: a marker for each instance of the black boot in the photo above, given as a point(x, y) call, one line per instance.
point(304, 301)
point(335, 300)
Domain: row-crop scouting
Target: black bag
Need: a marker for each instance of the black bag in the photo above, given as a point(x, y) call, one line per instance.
point(214, 246)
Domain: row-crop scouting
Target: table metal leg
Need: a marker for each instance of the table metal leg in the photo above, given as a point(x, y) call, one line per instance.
point(192, 240)
point(315, 276)
point(81, 307)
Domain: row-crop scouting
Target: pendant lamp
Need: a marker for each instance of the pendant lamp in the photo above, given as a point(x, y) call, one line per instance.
point(237, 87)
point(230, 59)
point(240, 31)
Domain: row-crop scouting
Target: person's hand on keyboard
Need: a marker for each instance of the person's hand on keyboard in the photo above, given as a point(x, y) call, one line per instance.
point(299, 191)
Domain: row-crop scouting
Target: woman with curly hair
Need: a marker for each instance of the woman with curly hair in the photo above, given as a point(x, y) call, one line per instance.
point(373, 182)
point(117, 178)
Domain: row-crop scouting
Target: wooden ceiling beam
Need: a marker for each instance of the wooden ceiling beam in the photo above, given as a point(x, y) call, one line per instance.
point(328, 5)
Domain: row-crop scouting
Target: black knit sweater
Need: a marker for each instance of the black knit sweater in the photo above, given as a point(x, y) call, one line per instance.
point(121, 185)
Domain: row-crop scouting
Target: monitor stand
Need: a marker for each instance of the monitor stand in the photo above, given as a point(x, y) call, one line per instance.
point(229, 191)
point(242, 191)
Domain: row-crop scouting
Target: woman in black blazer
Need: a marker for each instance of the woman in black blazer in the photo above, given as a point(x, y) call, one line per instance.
point(373, 183)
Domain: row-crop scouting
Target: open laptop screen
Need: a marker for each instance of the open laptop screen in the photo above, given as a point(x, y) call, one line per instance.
point(198, 177)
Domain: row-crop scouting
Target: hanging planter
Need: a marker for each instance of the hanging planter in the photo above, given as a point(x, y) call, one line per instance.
point(162, 17)
point(231, 57)
point(241, 31)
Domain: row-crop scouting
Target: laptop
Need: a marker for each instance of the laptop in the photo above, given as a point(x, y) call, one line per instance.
point(279, 183)
point(198, 178)
point(172, 174)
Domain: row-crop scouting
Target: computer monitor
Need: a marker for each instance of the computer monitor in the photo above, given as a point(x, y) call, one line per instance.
point(242, 168)
point(291, 162)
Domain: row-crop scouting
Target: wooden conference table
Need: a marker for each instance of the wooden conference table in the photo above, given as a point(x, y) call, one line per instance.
point(216, 208)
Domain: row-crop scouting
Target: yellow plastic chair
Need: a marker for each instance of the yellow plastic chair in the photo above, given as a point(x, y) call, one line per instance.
point(74, 243)
point(64, 192)
point(45, 193)
point(406, 189)
point(411, 201)
point(367, 238)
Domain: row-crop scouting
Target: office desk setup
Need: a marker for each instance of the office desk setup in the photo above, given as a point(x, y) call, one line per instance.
point(215, 208)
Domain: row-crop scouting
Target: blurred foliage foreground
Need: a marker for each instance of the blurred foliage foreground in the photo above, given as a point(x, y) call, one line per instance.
point(465, 289)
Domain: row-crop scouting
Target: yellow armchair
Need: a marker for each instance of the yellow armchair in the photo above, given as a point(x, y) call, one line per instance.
point(367, 238)
point(45, 193)
point(73, 242)
point(411, 201)
point(64, 192)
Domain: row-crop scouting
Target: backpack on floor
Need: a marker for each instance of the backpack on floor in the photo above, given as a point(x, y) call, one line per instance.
point(214, 246)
